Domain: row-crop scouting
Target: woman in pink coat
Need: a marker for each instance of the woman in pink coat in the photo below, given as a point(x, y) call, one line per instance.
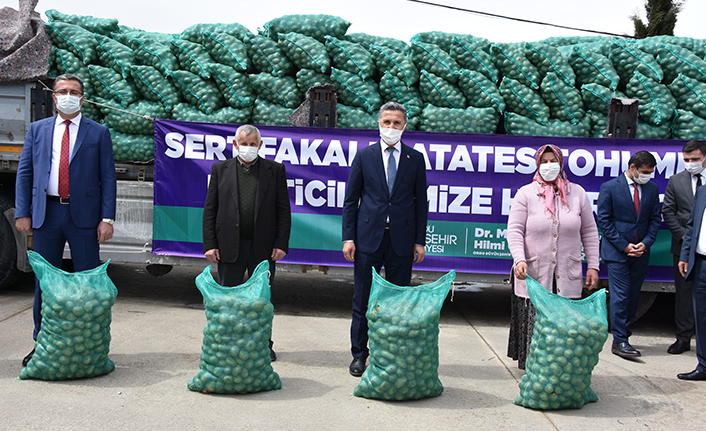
point(549, 220)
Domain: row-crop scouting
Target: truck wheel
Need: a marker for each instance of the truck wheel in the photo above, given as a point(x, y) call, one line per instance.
point(8, 247)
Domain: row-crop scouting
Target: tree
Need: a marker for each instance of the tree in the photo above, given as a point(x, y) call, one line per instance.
point(661, 18)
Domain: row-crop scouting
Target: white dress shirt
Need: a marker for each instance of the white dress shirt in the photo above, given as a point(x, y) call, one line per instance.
point(386, 154)
point(59, 128)
point(632, 185)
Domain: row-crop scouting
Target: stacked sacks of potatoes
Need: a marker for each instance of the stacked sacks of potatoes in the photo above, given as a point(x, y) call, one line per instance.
point(225, 73)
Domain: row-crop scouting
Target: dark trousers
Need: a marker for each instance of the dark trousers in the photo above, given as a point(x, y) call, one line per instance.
point(398, 270)
point(233, 273)
point(699, 291)
point(625, 281)
point(683, 305)
point(49, 241)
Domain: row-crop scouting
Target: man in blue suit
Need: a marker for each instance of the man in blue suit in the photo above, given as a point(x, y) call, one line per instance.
point(692, 265)
point(629, 218)
point(384, 218)
point(66, 185)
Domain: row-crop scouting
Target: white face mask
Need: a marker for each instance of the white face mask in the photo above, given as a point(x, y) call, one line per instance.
point(641, 178)
point(694, 168)
point(549, 171)
point(68, 104)
point(247, 154)
point(390, 136)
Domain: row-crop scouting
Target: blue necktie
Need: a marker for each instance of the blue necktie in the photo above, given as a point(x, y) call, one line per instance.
point(391, 168)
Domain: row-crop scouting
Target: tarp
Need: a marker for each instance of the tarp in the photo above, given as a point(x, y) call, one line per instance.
point(24, 44)
point(471, 182)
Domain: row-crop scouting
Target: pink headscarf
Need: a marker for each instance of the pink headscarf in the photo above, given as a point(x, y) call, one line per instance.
point(559, 184)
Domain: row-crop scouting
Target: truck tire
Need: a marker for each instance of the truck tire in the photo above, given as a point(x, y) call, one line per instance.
point(8, 247)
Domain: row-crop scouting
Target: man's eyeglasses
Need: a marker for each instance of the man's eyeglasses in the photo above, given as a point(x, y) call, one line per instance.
point(65, 92)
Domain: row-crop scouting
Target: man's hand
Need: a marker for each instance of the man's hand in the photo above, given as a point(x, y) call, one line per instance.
point(24, 224)
point(349, 251)
point(213, 255)
point(521, 270)
point(105, 232)
point(635, 250)
point(683, 267)
point(277, 254)
point(418, 253)
point(591, 279)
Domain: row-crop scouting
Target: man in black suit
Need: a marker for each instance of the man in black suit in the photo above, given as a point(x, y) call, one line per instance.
point(678, 202)
point(246, 217)
point(384, 218)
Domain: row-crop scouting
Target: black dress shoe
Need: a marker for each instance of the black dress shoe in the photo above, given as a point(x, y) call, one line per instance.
point(678, 347)
point(624, 350)
point(27, 358)
point(694, 375)
point(357, 367)
point(273, 355)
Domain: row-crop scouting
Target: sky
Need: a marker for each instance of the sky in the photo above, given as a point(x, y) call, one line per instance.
point(400, 19)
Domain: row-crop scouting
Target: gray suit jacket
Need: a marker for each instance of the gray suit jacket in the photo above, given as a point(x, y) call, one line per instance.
point(678, 202)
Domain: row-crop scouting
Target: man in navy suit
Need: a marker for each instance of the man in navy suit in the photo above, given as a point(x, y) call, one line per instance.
point(629, 218)
point(384, 218)
point(66, 185)
point(692, 265)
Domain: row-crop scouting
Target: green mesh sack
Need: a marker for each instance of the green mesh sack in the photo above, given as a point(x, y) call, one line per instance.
point(192, 57)
point(267, 56)
point(603, 46)
point(480, 91)
point(198, 91)
point(226, 49)
point(522, 100)
point(235, 354)
point(104, 26)
point(132, 148)
point(648, 131)
point(305, 52)
point(548, 59)
point(91, 111)
point(115, 55)
point(570, 40)
point(651, 45)
point(450, 120)
point(675, 60)
point(81, 42)
point(154, 86)
point(155, 54)
point(403, 331)
point(138, 124)
point(316, 26)
point(599, 123)
point(688, 126)
point(657, 104)
point(196, 32)
point(350, 56)
point(67, 62)
point(227, 115)
point(368, 40)
point(473, 57)
point(392, 89)
point(564, 101)
point(109, 84)
point(265, 113)
point(435, 60)
point(389, 60)
point(282, 91)
point(354, 91)
point(307, 78)
point(690, 94)
point(518, 125)
point(592, 67)
point(439, 92)
point(234, 86)
point(74, 338)
point(351, 117)
point(131, 37)
point(597, 97)
point(445, 41)
point(511, 61)
point(568, 336)
point(628, 58)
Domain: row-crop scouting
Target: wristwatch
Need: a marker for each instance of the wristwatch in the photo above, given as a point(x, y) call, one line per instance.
point(110, 221)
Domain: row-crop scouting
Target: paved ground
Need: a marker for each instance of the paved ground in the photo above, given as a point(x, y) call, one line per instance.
point(156, 342)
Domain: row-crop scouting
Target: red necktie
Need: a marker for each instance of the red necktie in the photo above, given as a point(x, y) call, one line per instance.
point(637, 207)
point(64, 163)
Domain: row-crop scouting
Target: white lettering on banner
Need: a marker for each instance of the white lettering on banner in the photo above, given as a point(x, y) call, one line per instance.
point(439, 196)
point(602, 162)
point(505, 160)
point(420, 147)
point(269, 146)
point(317, 193)
point(334, 154)
point(286, 152)
point(439, 150)
point(593, 199)
point(589, 163)
point(461, 159)
point(507, 202)
point(666, 164)
point(175, 148)
point(215, 146)
point(525, 157)
point(194, 147)
point(308, 152)
point(482, 152)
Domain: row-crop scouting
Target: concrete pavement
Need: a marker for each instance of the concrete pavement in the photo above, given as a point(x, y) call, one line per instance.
point(156, 343)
